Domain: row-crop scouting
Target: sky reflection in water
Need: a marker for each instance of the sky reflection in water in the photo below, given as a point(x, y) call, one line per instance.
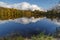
point(28, 26)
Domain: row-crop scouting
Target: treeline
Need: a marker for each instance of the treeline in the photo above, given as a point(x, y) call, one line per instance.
point(7, 13)
point(10, 13)
point(53, 14)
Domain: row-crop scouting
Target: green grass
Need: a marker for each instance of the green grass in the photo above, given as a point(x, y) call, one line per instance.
point(38, 37)
point(41, 36)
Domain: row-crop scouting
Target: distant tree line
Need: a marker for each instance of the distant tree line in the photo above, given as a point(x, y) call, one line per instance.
point(10, 13)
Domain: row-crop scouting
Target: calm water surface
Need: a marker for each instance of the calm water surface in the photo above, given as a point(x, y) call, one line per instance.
point(28, 26)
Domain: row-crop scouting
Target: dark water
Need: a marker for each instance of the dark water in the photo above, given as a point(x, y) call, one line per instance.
point(45, 25)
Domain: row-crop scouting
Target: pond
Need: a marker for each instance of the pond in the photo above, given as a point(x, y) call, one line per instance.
point(28, 26)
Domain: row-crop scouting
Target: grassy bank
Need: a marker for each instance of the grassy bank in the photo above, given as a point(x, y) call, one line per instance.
point(38, 37)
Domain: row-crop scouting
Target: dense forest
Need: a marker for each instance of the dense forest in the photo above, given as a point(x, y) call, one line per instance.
point(10, 13)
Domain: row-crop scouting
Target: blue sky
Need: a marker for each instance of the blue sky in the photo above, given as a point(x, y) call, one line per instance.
point(42, 3)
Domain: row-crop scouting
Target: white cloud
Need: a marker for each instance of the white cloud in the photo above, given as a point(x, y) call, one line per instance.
point(21, 6)
point(27, 6)
point(56, 22)
point(22, 20)
point(35, 7)
point(2, 4)
point(27, 20)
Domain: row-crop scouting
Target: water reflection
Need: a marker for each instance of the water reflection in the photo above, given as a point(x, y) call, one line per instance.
point(28, 26)
point(56, 21)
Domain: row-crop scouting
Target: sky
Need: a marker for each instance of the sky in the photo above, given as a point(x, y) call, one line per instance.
point(46, 4)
